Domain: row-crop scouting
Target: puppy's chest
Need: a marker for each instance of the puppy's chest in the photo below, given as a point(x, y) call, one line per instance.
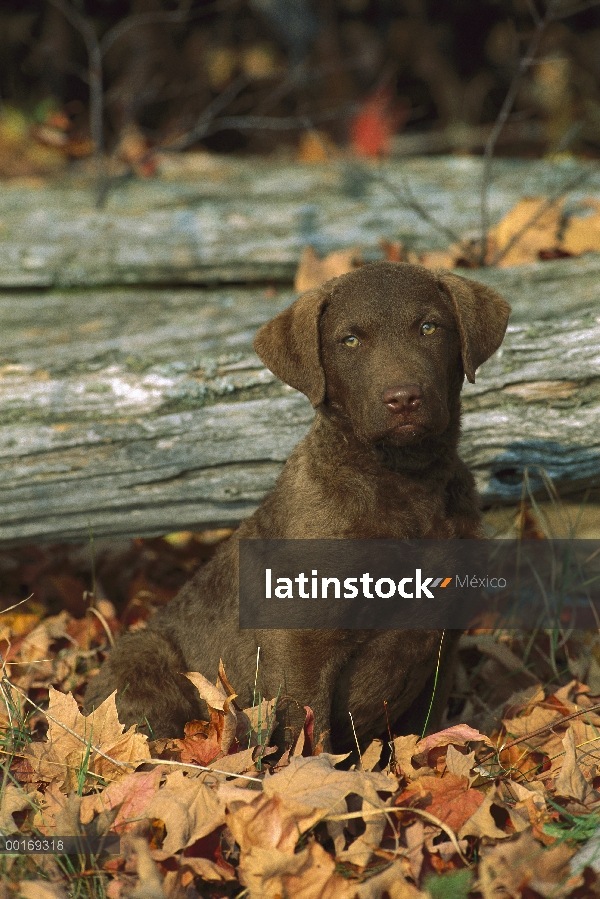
point(393, 507)
point(413, 513)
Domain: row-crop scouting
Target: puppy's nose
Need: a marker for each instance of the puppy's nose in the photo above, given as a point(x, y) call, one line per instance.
point(405, 398)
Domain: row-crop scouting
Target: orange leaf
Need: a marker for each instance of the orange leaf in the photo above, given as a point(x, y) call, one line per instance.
point(201, 743)
point(532, 225)
point(448, 798)
point(312, 271)
point(314, 147)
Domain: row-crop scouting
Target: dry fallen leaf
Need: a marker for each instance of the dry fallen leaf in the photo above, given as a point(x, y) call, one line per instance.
point(531, 226)
point(271, 822)
point(571, 782)
point(256, 724)
point(64, 757)
point(459, 764)
point(133, 794)
point(587, 741)
point(405, 748)
point(269, 832)
point(201, 743)
point(390, 882)
point(41, 889)
point(150, 882)
point(315, 146)
point(530, 808)
point(448, 798)
point(371, 755)
point(510, 867)
point(315, 783)
point(15, 799)
point(481, 823)
point(309, 874)
point(582, 233)
point(209, 870)
point(459, 734)
point(189, 809)
point(312, 271)
point(434, 259)
point(218, 700)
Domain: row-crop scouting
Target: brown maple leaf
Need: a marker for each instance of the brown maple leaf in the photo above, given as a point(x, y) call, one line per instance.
point(78, 746)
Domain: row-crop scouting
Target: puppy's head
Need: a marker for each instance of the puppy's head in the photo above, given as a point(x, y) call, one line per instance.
point(386, 347)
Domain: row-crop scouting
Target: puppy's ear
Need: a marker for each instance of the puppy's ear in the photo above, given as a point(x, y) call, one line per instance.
point(481, 315)
point(289, 345)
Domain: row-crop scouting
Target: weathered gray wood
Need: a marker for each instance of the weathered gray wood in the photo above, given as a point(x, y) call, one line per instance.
point(143, 411)
point(247, 221)
point(546, 290)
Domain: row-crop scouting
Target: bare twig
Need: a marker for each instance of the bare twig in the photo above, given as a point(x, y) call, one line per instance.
point(177, 17)
point(94, 51)
point(541, 23)
point(407, 198)
point(540, 730)
point(206, 118)
point(15, 605)
point(116, 762)
point(74, 733)
point(533, 12)
point(97, 49)
point(207, 124)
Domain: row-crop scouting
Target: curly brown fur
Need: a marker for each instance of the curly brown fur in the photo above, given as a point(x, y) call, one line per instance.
point(380, 461)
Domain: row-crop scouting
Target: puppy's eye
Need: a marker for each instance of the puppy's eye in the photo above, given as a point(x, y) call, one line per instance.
point(351, 340)
point(428, 328)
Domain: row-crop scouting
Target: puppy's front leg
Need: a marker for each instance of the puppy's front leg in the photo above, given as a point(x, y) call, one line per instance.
point(147, 671)
point(303, 667)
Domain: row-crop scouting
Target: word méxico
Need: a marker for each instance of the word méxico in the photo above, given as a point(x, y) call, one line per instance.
point(384, 587)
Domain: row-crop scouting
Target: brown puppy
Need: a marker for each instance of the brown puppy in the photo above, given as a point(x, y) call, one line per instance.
point(381, 353)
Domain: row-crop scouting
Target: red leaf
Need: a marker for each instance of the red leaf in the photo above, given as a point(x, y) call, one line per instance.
point(375, 123)
point(448, 798)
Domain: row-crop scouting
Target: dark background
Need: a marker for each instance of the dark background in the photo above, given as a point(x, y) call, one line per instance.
point(429, 64)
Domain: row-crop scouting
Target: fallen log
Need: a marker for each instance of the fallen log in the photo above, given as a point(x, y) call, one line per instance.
point(246, 221)
point(144, 411)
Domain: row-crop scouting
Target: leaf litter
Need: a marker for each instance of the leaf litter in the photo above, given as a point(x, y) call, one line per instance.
point(215, 813)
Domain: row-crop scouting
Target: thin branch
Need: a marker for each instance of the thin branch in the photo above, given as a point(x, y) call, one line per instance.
point(533, 12)
point(97, 49)
point(92, 44)
point(540, 26)
point(201, 128)
point(74, 733)
point(408, 199)
point(177, 17)
point(208, 123)
point(270, 123)
point(539, 731)
point(132, 765)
